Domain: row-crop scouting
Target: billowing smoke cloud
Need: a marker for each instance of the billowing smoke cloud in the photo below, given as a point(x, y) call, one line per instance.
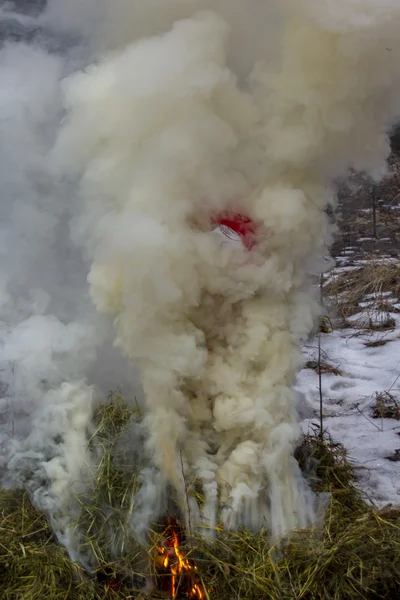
point(121, 154)
point(54, 350)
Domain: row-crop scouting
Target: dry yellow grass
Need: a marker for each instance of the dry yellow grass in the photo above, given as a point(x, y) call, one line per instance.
point(355, 554)
point(365, 287)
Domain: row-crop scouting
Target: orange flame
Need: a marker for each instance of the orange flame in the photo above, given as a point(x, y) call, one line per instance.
point(178, 565)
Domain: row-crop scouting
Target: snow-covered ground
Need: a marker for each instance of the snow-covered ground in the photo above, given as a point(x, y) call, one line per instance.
point(366, 363)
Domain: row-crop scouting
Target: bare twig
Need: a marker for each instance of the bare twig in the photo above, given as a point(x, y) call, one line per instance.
point(321, 422)
point(189, 524)
point(394, 383)
point(373, 198)
point(369, 420)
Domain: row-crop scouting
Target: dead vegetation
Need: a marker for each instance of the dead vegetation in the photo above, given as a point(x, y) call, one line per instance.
point(322, 368)
point(370, 288)
point(106, 505)
point(343, 561)
point(376, 343)
point(33, 565)
point(355, 553)
point(386, 406)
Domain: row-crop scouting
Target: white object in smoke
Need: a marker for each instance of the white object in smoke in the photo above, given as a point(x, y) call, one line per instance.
point(226, 235)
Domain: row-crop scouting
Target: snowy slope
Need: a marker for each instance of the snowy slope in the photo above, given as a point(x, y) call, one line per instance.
point(366, 363)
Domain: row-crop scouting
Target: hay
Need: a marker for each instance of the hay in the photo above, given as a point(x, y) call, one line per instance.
point(108, 542)
point(107, 502)
point(359, 559)
point(355, 554)
point(32, 565)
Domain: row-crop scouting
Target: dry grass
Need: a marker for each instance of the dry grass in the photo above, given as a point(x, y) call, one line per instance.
point(355, 554)
point(360, 559)
point(386, 407)
point(32, 565)
point(368, 283)
point(325, 325)
point(107, 502)
point(322, 368)
point(108, 543)
point(376, 343)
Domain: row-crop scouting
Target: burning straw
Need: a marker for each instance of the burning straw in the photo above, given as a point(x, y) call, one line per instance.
point(356, 554)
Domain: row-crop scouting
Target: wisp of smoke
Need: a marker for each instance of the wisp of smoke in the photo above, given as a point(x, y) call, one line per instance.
point(121, 155)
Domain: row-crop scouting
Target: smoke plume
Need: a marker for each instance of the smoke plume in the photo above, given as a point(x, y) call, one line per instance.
point(122, 149)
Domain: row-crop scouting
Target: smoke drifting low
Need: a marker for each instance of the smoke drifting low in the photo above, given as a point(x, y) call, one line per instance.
point(121, 150)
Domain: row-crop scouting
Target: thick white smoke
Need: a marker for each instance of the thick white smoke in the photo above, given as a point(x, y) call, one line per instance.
point(53, 347)
point(185, 108)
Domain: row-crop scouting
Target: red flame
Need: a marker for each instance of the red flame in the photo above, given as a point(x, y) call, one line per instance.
point(178, 566)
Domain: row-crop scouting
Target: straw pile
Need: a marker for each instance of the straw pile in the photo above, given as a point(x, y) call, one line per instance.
point(355, 554)
point(32, 564)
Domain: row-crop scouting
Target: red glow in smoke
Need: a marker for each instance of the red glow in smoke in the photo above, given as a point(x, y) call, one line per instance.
point(240, 224)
